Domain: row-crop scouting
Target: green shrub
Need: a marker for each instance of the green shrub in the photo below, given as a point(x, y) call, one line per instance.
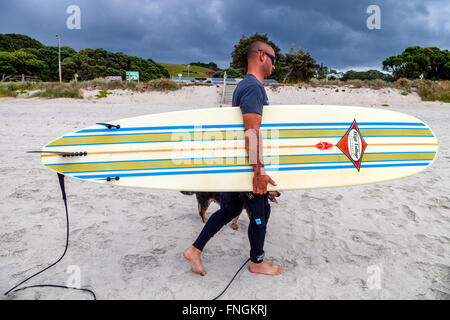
point(12, 89)
point(103, 94)
point(53, 90)
point(162, 85)
point(403, 84)
point(314, 82)
point(378, 84)
point(433, 90)
point(103, 84)
point(356, 83)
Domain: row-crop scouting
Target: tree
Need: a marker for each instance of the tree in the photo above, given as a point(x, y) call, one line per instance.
point(90, 64)
point(21, 62)
point(366, 75)
point(50, 56)
point(239, 54)
point(321, 71)
point(211, 65)
point(301, 66)
point(231, 73)
point(416, 62)
point(12, 42)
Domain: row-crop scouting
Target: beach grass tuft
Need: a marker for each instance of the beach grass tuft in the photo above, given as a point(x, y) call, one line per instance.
point(428, 90)
point(103, 94)
point(53, 90)
point(13, 89)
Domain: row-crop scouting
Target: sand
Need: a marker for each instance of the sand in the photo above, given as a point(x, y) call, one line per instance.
point(381, 241)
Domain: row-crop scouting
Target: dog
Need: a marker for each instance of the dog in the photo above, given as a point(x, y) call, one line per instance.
point(204, 199)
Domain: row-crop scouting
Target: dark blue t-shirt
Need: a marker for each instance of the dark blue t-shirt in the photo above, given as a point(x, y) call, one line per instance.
point(250, 95)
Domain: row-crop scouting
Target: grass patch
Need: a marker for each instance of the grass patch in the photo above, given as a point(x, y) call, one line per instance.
point(103, 94)
point(434, 90)
point(162, 84)
point(428, 90)
point(103, 84)
point(52, 90)
point(194, 71)
point(13, 89)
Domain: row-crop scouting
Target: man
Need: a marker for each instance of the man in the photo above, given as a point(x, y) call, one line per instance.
point(250, 95)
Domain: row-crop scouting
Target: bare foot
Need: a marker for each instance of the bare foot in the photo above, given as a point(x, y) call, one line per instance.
point(265, 268)
point(193, 255)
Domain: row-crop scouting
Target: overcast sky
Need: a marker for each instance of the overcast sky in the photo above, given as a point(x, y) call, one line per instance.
point(335, 32)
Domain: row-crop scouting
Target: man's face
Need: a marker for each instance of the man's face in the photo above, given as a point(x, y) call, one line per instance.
point(268, 65)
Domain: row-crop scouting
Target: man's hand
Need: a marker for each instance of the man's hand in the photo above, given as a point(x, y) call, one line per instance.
point(260, 182)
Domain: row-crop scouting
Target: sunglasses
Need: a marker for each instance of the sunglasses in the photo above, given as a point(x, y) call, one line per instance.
point(272, 57)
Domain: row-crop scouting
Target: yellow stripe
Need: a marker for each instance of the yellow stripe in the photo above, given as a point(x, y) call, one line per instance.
point(219, 135)
point(172, 164)
point(398, 156)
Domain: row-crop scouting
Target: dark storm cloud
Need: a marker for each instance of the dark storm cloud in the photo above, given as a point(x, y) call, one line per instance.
point(178, 31)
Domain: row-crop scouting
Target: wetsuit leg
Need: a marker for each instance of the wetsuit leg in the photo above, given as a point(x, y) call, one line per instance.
point(259, 208)
point(231, 205)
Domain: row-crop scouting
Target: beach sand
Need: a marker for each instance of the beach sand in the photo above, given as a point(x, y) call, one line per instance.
point(381, 241)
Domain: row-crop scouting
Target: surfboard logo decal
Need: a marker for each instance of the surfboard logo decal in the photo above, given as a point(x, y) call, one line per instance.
point(353, 145)
point(324, 145)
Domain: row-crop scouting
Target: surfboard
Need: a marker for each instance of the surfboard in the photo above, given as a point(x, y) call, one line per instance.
point(304, 146)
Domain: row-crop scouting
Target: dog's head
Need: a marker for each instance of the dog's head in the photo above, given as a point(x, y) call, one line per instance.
point(273, 195)
point(187, 193)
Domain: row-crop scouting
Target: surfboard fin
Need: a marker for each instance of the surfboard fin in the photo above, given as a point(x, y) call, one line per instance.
point(62, 153)
point(108, 125)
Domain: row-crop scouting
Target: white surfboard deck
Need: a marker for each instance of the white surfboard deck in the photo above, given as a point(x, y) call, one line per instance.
point(305, 146)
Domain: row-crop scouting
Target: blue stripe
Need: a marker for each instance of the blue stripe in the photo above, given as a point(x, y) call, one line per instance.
point(262, 125)
point(231, 166)
point(249, 170)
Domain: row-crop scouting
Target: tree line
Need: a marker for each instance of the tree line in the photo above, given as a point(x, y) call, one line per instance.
point(414, 63)
point(20, 54)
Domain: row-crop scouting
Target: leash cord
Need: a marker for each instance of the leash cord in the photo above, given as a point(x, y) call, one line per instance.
point(13, 289)
point(232, 279)
point(63, 191)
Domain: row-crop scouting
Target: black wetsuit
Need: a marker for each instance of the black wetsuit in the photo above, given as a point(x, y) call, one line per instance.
point(250, 96)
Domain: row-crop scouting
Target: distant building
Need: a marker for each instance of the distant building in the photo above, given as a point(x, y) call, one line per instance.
point(114, 78)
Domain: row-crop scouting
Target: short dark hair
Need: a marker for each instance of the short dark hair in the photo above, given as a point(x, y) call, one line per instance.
point(252, 50)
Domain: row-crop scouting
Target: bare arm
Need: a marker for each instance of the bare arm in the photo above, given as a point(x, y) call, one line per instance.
point(254, 148)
